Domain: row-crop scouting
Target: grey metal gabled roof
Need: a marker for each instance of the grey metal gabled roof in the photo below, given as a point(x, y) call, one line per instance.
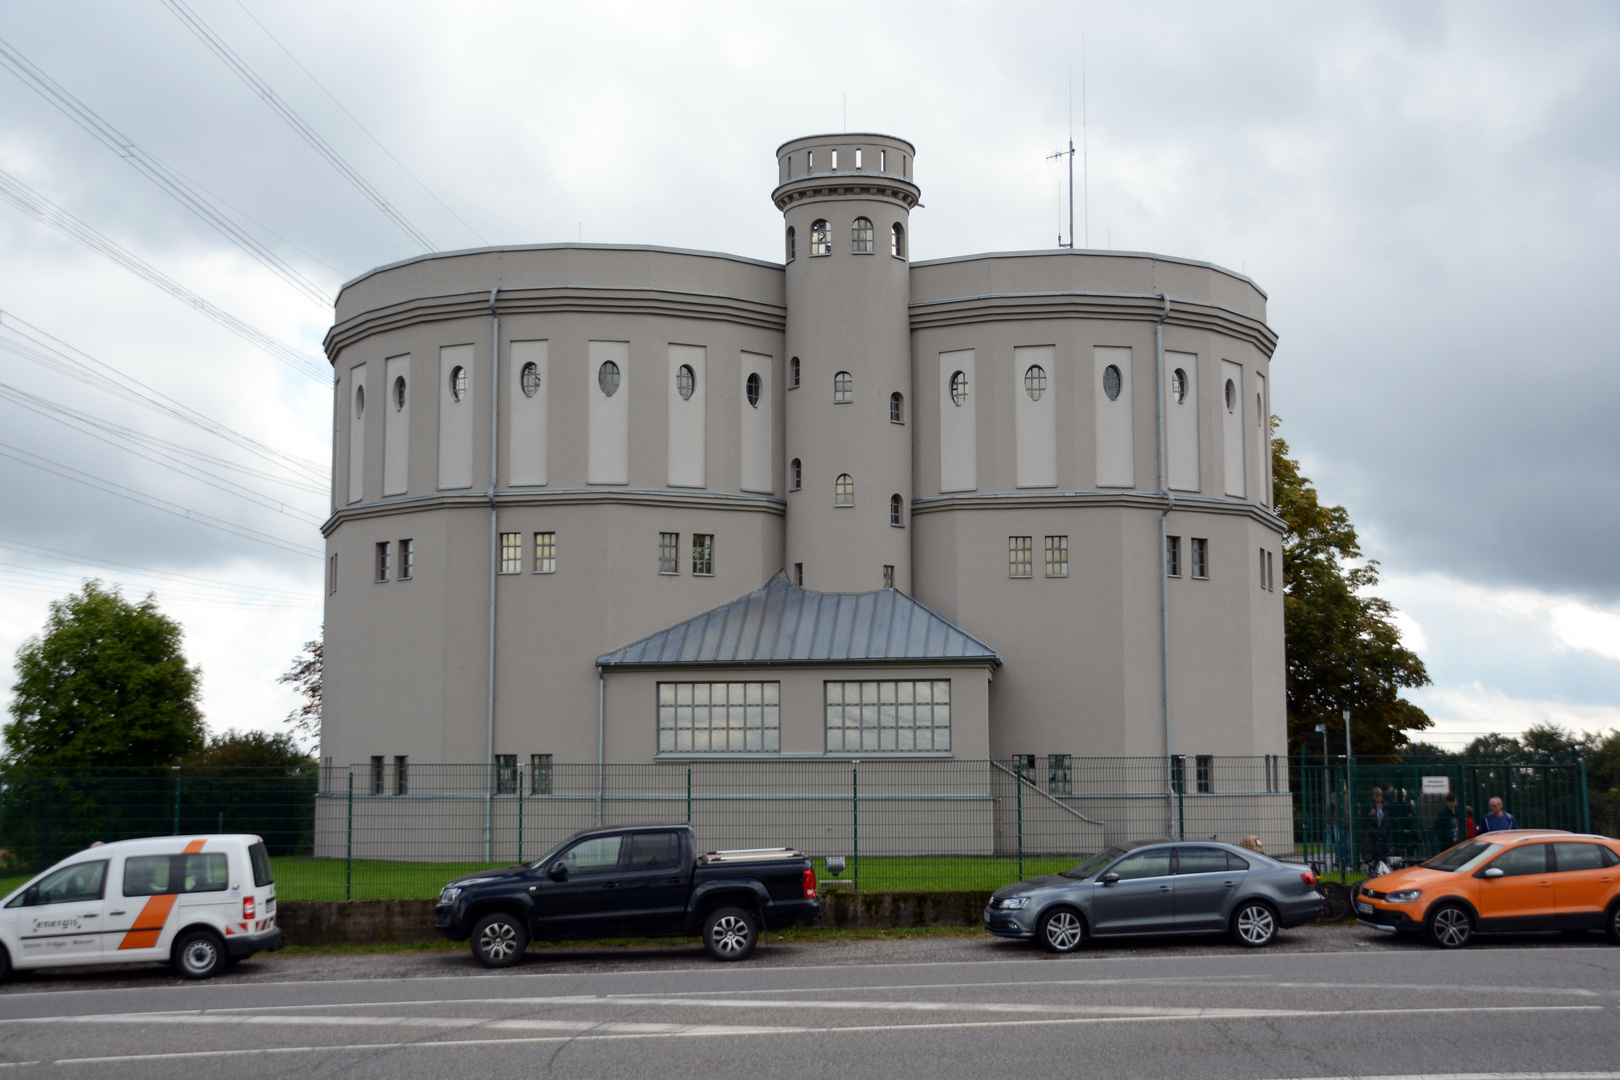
point(782, 623)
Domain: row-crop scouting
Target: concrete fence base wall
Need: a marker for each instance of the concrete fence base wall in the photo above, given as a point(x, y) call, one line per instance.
point(362, 922)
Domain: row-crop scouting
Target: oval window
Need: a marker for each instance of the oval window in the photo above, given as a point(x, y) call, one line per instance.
point(1231, 396)
point(1035, 382)
point(399, 393)
point(1111, 382)
point(685, 381)
point(1178, 385)
point(530, 379)
point(752, 387)
point(458, 382)
point(607, 377)
point(959, 387)
point(359, 402)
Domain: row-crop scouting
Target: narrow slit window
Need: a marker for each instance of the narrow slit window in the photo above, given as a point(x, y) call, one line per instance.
point(1172, 556)
point(797, 480)
point(407, 559)
point(1200, 557)
point(897, 408)
point(798, 574)
point(858, 157)
point(792, 239)
point(545, 553)
point(402, 774)
point(897, 510)
point(793, 373)
point(382, 561)
point(1020, 556)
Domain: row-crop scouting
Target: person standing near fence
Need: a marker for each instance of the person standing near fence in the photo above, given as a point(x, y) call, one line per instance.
point(1498, 819)
point(1375, 844)
point(1446, 829)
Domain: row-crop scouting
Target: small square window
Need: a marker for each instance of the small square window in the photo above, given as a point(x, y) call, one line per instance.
point(383, 549)
point(1057, 556)
point(703, 554)
point(407, 559)
point(1020, 556)
point(545, 553)
point(506, 774)
point(539, 774)
point(1200, 557)
point(511, 553)
point(1172, 556)
point(888, 577)
point(669, 553)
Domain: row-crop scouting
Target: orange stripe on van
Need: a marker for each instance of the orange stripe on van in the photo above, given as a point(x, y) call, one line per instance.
point(149, 923)
point(194, 847)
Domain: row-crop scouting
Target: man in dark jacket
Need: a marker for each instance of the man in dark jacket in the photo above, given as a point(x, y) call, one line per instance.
point(1447, 827)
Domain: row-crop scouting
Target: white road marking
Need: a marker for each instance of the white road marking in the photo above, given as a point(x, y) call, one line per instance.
point(1486, 1076)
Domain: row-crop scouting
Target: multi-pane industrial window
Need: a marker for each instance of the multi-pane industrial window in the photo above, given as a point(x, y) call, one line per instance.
point(861, 236)
point(1057, 556)
point(844, 490)
point(1035, 382)
point(1058, 780)
point(791, 243)
point(511, 553)
point(506, 774)
point(897, 241)
point(669, 553)
point(458, 382)
point(382, 561)
point(685, 381)
point(379, 774)
point(1172, 556)
point(889, 715)
point(607, 377)
point(797, 480)
point(331, 573)
point(820, 238)
point(1200, 557)
point(703, 553)
point(719, 717)
point(843, 388)
point(1020, 556)
point(1206, 774)
point(888, 576)
point(407, 559)
point(539, 774)
point(402, 775)
point(897, 408)
point(545, 553)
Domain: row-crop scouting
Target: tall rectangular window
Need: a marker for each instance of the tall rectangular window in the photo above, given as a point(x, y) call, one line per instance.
point(798, 574)
point(899, 715)
point(331, 574)
point(1178, 774)
point(545, 553)
point(407, 559)
point(669, 553)
point(1057, 556)
point(1172, 556)
point(703, 554)
point(888, 576)
point(719, 717)
point(402, 775)
point(511, 553)
point(1020, 556)
point(883, 161)
point(1200, 557)
point(1057, 774)
point(379, 772)
point(382, 561)
point(539, 774)
point(1206, 774)
point(506, 774)
point(1271, 571)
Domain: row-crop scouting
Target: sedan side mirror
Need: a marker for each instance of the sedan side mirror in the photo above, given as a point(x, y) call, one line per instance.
point(1493, 872)
point(558, 871)
point(1109, 878)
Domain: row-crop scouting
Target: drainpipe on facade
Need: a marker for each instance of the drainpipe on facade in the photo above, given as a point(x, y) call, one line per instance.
point(494, 567)
point(601, 766)
point(1164, 570)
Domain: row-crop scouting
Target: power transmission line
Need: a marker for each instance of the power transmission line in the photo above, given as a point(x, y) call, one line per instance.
point(38, 579)
point(36, 205)
point(156, 171)
point(112, 487)
point(357, 122)
point(113, 564)
point(58, 355)
point(296, 122)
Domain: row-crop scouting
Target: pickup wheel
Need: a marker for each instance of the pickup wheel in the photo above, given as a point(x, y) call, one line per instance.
point(730, 933)
point(498, 940)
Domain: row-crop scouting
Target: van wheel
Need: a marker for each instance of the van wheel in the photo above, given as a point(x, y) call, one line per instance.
point(1060, 930)
point(199, 954)
point(1450, 926)
point(498, 940)
point(1255, 924)
point(730, 933)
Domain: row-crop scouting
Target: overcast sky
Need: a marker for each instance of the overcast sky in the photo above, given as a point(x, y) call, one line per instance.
point(1428, 193)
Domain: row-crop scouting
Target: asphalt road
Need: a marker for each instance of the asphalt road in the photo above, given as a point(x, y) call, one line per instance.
point(1326, 1002)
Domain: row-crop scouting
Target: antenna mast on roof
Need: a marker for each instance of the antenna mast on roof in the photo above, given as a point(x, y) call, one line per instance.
point(1069, 153)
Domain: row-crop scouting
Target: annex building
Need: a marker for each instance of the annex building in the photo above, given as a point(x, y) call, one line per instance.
point(634, 504)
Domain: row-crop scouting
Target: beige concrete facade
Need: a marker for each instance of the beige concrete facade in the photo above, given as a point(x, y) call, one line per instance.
point(699, 438)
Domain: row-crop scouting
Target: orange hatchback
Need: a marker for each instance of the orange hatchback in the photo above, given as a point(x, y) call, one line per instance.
point(1524, 879)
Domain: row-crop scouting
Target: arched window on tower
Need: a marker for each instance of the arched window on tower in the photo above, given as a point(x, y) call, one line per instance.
point(897, 512)
point(860, 236)
point(796, 480)
point(897, 241)
point(844, 490)
point(793, 373)
point(897, 408)
point(792, 237)
point(821, 238)
point(843, 388)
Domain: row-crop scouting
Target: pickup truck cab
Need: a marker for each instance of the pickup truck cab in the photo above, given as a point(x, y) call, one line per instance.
point(630, 881)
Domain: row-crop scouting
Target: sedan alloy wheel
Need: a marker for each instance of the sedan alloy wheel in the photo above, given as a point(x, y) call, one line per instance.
point(1061, 931)
point(1450, 927)
point(1256, 925)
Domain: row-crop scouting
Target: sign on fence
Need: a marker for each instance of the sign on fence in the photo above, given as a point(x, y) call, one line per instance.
point(1437, 785)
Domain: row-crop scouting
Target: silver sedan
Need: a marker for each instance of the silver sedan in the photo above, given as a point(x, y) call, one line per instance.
point(1135, 889)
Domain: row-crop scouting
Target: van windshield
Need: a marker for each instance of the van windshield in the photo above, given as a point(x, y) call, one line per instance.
point(262, 873)
point(1094, 864)
point(1462, 858)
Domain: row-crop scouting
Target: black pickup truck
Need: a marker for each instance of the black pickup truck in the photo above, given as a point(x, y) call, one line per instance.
point(630, 881)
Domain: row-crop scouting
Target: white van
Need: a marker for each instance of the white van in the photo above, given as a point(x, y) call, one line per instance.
point(200, 903)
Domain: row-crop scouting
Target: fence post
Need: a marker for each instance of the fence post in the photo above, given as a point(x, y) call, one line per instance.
point(1018, 788)
point(520, 813)
point(176, 803)
point(689, 794)
point(855, 818)
point(348, 845)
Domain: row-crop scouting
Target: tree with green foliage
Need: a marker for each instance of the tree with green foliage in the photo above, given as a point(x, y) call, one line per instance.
point(1344, 650)
point(1603, 783)
point(105, 683)
point(305, 677)
point(249, 750)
